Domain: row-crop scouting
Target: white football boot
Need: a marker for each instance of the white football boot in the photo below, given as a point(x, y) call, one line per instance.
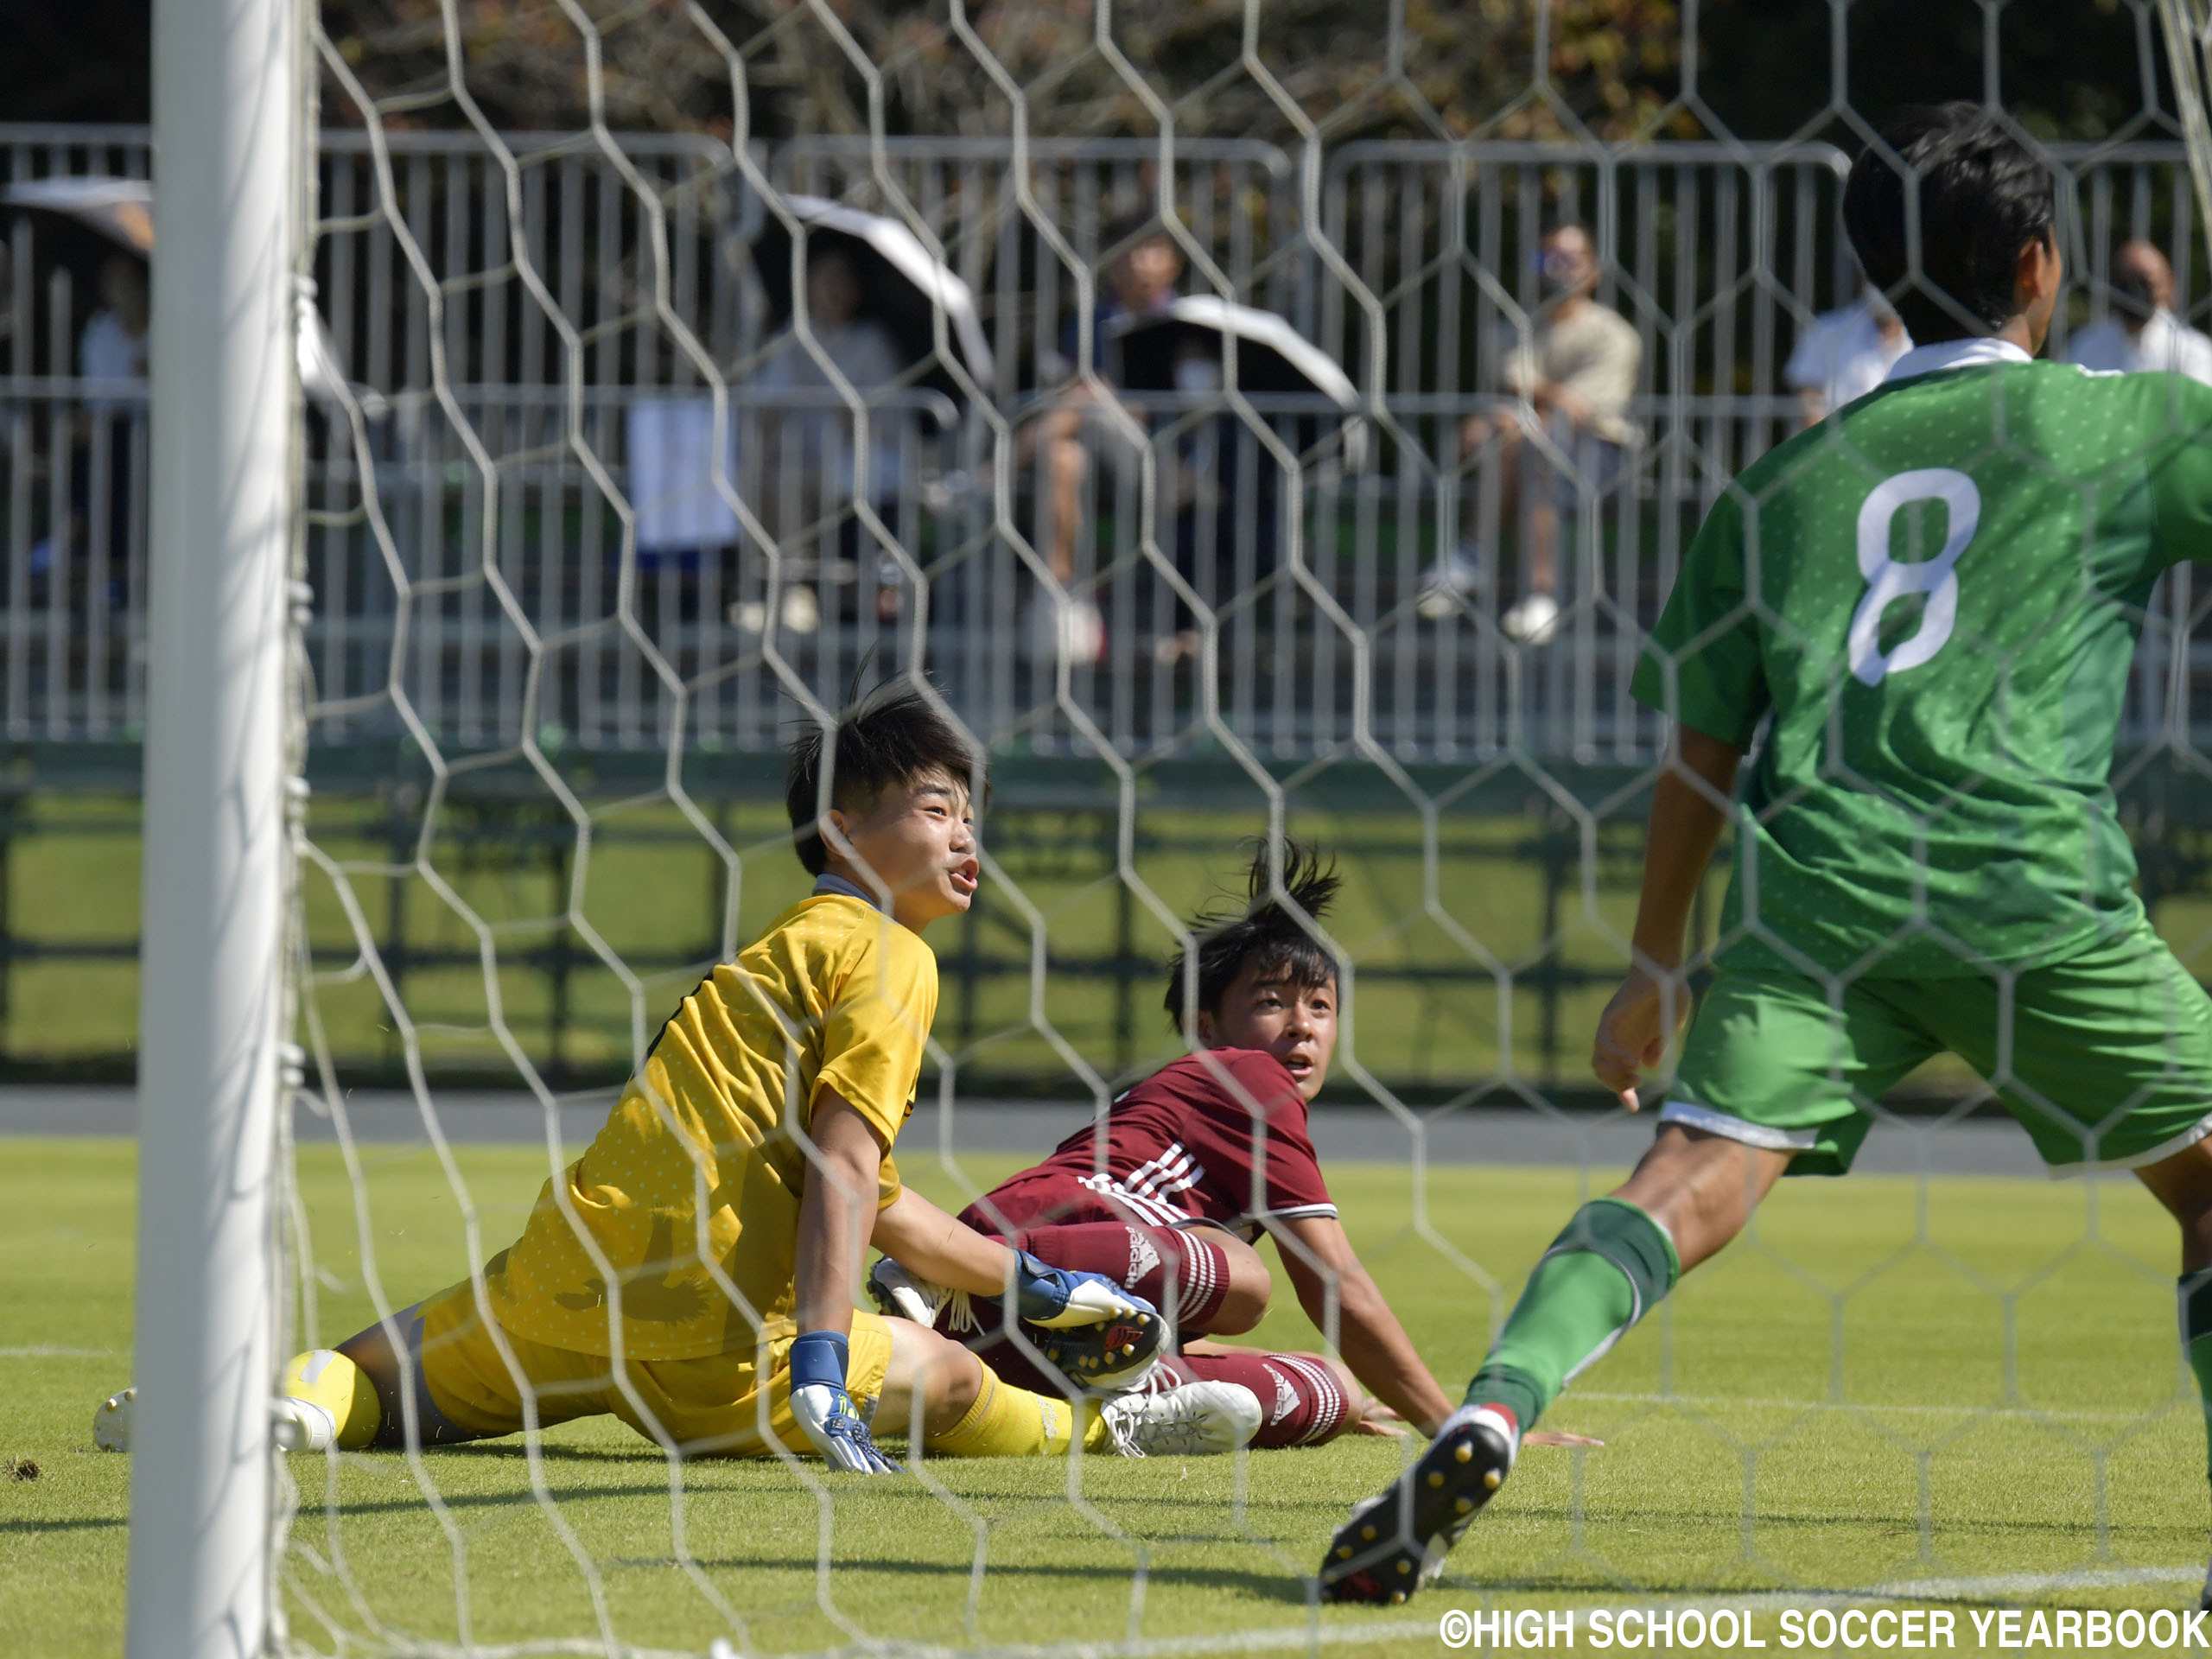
point(295, 1425)
point(111, 1422)
point(1198, 1420)
point(898, 1295)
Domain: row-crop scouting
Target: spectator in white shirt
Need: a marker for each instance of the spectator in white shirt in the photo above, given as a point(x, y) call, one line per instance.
point(1842, 355)
point(111, 349)
point(865, 356)
point(2142, 333)
point(113, 345)
point(813, 439)
point(1576, 365)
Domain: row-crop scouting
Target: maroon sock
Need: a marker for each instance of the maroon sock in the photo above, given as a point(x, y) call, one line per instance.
point(1146, 1260)
point(1301, 1403)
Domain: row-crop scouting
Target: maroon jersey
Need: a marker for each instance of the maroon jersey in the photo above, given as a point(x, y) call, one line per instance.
point(1184, 1147)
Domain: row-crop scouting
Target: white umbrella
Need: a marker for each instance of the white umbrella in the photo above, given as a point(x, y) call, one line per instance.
point(1272, 358)
point(1284, 362)
point(122, 210)
point(934, 285)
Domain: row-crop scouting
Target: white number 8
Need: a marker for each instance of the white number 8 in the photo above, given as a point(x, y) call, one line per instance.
point(1889, 580)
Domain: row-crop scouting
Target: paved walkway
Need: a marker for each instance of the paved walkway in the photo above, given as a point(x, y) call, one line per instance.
point(1495, 1136)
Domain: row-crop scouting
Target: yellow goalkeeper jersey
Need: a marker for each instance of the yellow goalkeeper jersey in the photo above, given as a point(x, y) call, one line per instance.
point(835, 994)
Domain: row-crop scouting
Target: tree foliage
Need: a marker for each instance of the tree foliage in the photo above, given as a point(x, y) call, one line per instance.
point(1461, 67)
point(2069, 68)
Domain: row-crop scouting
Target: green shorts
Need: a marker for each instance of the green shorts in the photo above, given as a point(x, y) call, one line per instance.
point(2106, 1059)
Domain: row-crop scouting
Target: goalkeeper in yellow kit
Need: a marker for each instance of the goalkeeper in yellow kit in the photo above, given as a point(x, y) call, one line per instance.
point(692, 1273)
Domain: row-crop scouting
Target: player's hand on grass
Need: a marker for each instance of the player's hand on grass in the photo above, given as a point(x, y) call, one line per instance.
point(1058, 1298)
point(1376, 1418)
point(825, 1411)
point(1634, 1029)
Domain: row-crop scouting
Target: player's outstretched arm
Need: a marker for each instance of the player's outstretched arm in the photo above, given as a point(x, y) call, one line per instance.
point(835, 1215)
point(1689, 807)
point(1317, 1255)
point(933, 1245)
point(944, 1250)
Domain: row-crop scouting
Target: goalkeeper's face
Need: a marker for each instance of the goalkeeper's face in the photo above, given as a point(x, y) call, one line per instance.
point(918, 838)
point(1269, 1009)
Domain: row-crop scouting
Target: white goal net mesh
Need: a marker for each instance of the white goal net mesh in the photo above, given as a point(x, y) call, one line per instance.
point(1154, 385)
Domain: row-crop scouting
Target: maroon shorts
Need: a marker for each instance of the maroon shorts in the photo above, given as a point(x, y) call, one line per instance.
point(1042, 1198)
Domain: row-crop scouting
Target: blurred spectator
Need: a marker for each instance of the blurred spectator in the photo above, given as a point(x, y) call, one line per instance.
point(1576, 365)
point(2143, 332)
point(1142, 277)
point(864, 353)
point(1843, 354)
point(113, 345)
point(818, 439)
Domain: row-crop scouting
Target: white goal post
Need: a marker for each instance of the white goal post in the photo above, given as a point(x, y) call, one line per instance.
point(1345, 660)
point(228, 124)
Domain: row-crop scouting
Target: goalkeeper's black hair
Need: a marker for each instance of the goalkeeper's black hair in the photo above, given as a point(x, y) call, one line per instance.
point(1983, 196)
point(1259, 933)
point(890, 736)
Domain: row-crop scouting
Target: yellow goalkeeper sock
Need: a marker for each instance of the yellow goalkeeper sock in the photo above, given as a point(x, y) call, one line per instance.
point(331, 1399)
point(1009, 1422)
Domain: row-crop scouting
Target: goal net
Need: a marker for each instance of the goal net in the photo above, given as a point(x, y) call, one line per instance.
point(1162, 391)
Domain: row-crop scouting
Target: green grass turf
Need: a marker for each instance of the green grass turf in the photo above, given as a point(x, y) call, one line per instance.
point(2015, 1406)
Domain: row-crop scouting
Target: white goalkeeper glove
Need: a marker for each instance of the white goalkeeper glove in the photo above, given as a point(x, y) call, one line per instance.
point(1060, 1298)
point(825, 1411)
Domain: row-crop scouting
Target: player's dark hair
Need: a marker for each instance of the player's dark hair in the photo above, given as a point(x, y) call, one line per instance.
point(886, 738)
point(1983, 196)
point(1260, 933)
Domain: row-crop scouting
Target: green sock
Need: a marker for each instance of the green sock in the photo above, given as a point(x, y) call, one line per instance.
point(1606, 1271)
point(2195, 1295)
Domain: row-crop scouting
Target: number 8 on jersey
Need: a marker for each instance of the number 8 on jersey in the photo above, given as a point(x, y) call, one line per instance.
point(1889, 580)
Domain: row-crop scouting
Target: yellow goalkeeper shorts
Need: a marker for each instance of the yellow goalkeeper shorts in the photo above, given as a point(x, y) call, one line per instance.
point(710, 1406)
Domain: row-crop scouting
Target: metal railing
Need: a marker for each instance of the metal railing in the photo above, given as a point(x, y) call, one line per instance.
point(486, 568)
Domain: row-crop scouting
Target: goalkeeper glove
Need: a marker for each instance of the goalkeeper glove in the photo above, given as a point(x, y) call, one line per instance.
point(825, 1411)
point(1057, 1297)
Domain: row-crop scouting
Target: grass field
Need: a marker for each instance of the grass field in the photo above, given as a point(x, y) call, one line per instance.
point(1893, 1382)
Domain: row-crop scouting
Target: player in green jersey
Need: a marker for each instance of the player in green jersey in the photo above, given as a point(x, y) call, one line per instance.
point(1928, 602)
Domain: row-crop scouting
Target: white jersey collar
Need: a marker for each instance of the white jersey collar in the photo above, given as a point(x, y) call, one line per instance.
point(1954, 355)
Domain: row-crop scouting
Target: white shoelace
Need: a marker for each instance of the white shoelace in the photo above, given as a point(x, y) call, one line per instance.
point(964, 1311)
point(1122, 1425)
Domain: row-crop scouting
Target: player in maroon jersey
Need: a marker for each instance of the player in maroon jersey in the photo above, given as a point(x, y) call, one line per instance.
point(1169, 1195)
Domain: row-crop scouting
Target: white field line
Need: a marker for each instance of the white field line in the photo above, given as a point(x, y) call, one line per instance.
point(2033, 1584)
point(1721, 1402)
point(45, 1352)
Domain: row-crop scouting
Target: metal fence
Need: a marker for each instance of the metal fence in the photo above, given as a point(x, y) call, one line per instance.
point(486, 567)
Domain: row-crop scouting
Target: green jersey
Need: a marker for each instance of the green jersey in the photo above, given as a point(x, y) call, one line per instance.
point(1937, 595)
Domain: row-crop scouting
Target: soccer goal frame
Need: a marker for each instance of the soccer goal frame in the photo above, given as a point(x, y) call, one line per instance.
point(234, 126)
point(230, 119)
